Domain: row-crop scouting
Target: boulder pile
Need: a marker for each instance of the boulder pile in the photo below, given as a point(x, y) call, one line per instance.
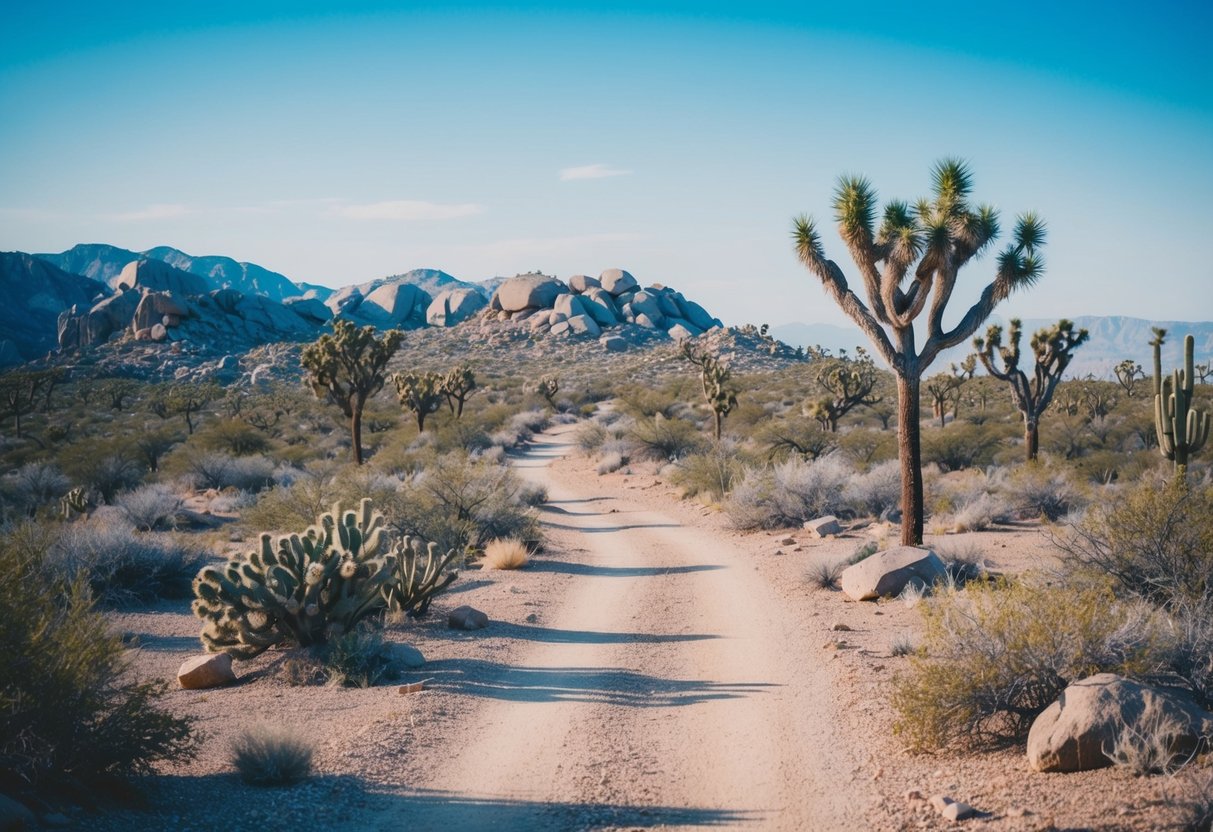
point(585, 306)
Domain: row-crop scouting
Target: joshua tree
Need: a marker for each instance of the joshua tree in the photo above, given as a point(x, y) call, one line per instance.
point(1053, 348)
point(929, 242)
point(1128, 373)
point(714, 376)
point(1203, 371)
point(848, 383)
point(20, 391)
point(548, 387)
point(457, 385)
point(944, 388)
point(1182, 430)
point(347, 367)
point(118, 390)
point(420, 393)
point(184, 398)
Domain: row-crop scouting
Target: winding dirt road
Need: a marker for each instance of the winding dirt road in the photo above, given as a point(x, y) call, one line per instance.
point(671, 688)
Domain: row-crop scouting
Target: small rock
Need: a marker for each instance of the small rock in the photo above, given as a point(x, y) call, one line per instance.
point(212, 670)
point(532, 618)
point(405, 655)
point(839, 627)
point(951, 809)
point(824, 526)
point(788, 541)
point(913, 795)
point(467, 618)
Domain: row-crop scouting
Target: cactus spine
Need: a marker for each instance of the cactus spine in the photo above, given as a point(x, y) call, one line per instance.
point(1182, 430)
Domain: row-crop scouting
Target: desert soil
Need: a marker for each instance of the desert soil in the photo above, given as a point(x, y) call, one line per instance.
point(650, 668)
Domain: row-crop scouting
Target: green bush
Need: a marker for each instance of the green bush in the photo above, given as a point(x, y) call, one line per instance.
point(712, 473)
point(69, 710)
point(664, 440)
point(994, 655)
point(1155, 541)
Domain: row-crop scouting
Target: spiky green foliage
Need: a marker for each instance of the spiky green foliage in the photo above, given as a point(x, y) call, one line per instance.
point(714, 378)
point(846, 383)
point(347, 367)
point(301, 590)
point(420, 393)
point(548, 387)
point(420, 572)
point(1053, 347)
point(926, 244)
point(457, 385)
point(1182, 429)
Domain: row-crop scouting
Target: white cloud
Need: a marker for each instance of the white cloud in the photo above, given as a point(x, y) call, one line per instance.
point(409, 210)
point(596, 171)
point(506, 250)
point(151, 212)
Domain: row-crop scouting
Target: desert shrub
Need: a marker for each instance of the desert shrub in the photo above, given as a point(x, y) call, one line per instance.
point(610, 463)
point(33, 486)
point(789, 493)
point(711, 473)
point(218, 470)
point(104, 472)
point(964, 562)
point(862, 552)
point(292, 504)
point(979, 514)
point(878, 490)
point(997, 654)
point(589, 437)
point(505, 554)
point(866, 446)
point(122, 566)
point(272, 756)
point(533, 495)
point(1040, 490)
point(150, 507)
point(355, 659)
point(69, 710)
point(1148, 747)
point(520, 428)
point(232, 436)
point(1155, 540)
point(902, 645)
point(824, 574)
point(960, 445)
point(665, 440)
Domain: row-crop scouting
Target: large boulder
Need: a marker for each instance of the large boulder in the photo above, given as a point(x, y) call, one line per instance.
point(157, 276)
point(569, 305)
point(211, 670)
point(394, 305)
point(535, 290)
point(309, 308)
point(681, 331)
point(646, 303)
point(696, 314)
point(154, 307)
point(454, 306)
point(584, 325)
point(600, 306)
point(888, 572)
point(1076, 732)
point(83, 326)
point(617, 281)
point(580, 283)
point(647, 322)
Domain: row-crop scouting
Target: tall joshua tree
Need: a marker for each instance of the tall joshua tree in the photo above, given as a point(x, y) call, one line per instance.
point(928, 243)
point(347, 367)
point(457, 385)
point(714, 375)
point(1053, 348)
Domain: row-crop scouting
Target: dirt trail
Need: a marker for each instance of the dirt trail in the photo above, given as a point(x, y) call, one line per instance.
point(668, 687)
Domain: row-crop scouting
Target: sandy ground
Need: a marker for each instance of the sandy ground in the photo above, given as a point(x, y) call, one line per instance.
point(650, 669)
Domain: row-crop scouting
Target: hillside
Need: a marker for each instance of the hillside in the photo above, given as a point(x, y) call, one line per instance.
point(35, 292)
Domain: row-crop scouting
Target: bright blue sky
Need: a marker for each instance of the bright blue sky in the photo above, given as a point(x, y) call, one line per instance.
point(477, 138)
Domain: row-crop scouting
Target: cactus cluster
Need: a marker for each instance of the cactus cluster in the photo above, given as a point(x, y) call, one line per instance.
point(74, 502)
point(548, 387)
point(307, 588)
point(1182, 430)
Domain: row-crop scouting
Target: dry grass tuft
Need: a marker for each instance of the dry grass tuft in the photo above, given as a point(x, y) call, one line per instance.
point(505, 554)
point(269, 755)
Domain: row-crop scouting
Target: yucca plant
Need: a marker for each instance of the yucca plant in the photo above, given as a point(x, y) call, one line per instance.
point(909, 264)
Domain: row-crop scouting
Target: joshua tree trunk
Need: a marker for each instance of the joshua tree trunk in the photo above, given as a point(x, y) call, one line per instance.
point(910, 454)
point(1031, 438)
point(356, 433)
point(719, 422)
point(421, 421)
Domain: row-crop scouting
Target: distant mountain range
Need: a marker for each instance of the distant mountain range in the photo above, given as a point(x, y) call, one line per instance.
point(1113, 339)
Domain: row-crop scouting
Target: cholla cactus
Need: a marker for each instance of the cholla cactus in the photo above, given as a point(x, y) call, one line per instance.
point(74, 502)
point(1182, 430)
point(548, 387)
point(420, 393)
point(419, 573)
point(457, 385)
point(303, 590)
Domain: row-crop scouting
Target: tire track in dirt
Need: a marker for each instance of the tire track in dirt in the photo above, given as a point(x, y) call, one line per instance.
point(672, 690)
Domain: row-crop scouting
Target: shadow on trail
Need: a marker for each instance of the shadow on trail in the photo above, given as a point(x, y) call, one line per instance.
point(450, 810)
point(606, 685)
point(609, 529)
point(548, 635)
point(566, 568)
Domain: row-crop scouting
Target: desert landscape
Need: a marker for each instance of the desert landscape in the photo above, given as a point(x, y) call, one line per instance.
point(775, 479)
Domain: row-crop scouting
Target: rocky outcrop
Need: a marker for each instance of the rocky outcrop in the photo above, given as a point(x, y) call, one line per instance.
point(887, 573)
point(617, 281)
point(309, 308)
point(157, 276)
point(84, 326)
point(385, 304)
point(454, 306)
point(35, 293)
point(528, 291)
point(1080, 729)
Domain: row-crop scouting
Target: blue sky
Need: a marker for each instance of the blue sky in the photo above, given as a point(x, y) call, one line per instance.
point(673, 139)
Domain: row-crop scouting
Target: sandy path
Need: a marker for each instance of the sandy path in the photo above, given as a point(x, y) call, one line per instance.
point(668, 687)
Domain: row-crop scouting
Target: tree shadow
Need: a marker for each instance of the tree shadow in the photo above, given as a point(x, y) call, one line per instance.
point(607, 685)
point(166, 644)
point(609, 529)
point(548, 635)
point(566, 568)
